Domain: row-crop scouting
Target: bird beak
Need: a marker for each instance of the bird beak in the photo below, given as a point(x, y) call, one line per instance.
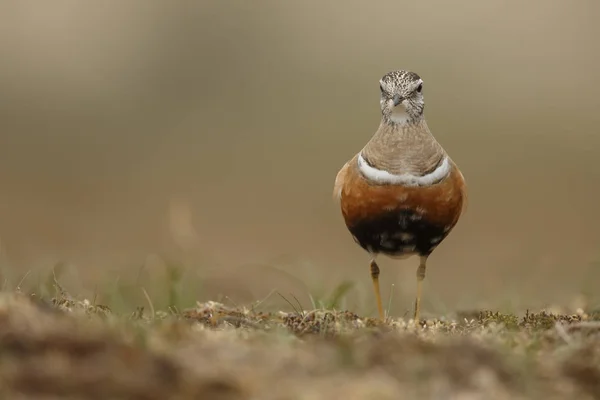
point(397, 100)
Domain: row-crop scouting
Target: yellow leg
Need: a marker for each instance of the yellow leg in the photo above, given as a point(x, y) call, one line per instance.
point(420, 277)
point(375, 277)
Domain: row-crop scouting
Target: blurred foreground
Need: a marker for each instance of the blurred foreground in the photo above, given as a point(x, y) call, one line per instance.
point(66, 348)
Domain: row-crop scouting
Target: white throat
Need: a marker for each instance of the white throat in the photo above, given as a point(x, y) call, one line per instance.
point(406, 179)
point(399, 115)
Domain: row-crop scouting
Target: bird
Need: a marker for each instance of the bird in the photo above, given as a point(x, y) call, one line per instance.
point(401, 195)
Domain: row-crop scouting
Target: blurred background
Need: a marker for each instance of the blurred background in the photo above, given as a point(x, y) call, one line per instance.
point(191, 147)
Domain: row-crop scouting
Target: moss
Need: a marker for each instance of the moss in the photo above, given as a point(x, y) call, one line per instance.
point(544, 320)
point(509, 321)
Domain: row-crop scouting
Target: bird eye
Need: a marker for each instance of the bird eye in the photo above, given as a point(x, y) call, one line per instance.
point(419, 88)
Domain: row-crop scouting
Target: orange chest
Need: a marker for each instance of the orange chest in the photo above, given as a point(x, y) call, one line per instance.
point(439, 204)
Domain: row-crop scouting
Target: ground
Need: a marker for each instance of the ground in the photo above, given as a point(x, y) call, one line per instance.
point(62, 347)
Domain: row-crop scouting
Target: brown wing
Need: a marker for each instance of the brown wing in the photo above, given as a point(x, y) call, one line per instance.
point(339, 181)
point(463, 190)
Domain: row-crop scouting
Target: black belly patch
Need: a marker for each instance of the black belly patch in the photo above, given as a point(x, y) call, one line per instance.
point(398, 232)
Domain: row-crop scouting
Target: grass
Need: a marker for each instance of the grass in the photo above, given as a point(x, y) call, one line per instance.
point(54, 345)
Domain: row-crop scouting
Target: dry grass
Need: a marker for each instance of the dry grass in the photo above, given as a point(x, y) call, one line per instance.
point(66, 348)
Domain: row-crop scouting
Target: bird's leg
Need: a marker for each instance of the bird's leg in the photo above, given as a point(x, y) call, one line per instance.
point(420, 277)
point(375, 278)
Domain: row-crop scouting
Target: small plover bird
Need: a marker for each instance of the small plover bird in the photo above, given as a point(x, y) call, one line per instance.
point(401, 195)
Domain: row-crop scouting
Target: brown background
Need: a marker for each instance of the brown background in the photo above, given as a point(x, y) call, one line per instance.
point(209, 134)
